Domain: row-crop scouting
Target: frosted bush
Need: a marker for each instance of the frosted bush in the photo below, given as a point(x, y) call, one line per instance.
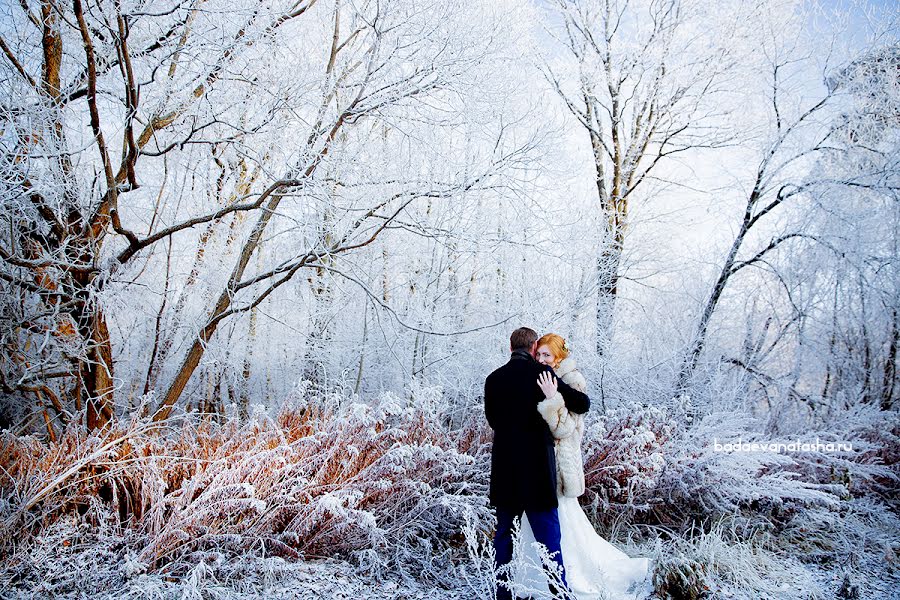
point(719, 565)
point(385, 484)
point(705, 484)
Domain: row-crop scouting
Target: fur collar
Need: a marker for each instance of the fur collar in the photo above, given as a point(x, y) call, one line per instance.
point(565, 367)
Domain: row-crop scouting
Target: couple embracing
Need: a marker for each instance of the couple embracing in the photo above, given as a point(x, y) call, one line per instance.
point(535, 404)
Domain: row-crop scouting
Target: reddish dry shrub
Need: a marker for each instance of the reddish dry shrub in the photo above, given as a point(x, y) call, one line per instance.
point(316, 480)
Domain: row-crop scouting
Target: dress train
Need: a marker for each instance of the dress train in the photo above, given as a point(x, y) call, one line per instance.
point(595, 569)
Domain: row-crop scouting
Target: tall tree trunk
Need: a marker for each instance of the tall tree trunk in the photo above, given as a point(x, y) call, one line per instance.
point(832, 344)
point(693, 355)
point(98, 373)
point(866, 344)
point(362, 349)
point(322, 289)
point(607, 290)
point(889, 374)
point(246, 371)
point(197, 349)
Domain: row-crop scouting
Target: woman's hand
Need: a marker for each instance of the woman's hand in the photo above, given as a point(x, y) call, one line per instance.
point(547, 383)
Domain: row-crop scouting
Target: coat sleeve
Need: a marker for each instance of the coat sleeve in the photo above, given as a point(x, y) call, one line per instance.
point(490, 402)
point(562, 423)
point(577, 402)
point(577, 381)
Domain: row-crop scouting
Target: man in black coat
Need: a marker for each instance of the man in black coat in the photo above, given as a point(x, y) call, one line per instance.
point(523, 462)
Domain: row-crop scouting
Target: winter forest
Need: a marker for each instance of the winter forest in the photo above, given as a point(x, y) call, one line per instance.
point(257, 259)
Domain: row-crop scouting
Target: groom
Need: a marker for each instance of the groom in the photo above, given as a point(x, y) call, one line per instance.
point(523, 463)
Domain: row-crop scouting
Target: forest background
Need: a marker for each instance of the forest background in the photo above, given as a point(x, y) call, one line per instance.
point(257, 259)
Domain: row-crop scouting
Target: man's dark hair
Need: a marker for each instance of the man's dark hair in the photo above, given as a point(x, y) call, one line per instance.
point(522, 339)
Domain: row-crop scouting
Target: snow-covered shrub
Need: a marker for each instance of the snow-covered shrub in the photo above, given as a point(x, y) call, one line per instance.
point(624, 457)
point(875, 435)
point(389, 485)
point(701, 483)
point(648, 472)
point(642, 464)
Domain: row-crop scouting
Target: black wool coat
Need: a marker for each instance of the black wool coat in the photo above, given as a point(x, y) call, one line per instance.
point(523, 463)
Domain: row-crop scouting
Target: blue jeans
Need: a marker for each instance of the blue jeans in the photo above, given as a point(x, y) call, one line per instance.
point(544, 525)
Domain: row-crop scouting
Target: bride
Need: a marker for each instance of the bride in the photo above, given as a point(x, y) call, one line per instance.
point(595, 569)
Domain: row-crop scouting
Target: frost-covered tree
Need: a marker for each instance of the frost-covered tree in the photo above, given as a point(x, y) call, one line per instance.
point(816, 152)
point(129, 129)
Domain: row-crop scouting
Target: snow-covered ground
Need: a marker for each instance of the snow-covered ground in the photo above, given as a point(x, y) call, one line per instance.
point(104, 568)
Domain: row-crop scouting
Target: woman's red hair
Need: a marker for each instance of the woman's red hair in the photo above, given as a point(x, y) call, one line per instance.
point(557, 345)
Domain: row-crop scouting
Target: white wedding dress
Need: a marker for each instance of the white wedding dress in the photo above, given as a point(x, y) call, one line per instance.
point(595, 569)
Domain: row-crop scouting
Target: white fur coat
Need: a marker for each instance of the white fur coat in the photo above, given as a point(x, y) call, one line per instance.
point(568, 429)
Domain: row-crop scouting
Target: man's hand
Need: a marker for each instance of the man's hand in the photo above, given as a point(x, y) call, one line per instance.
point(547, 383)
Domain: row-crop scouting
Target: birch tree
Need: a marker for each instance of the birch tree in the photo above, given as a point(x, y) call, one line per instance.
point(643, 88)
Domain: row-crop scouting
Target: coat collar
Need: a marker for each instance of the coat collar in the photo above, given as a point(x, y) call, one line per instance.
point(521, 355)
